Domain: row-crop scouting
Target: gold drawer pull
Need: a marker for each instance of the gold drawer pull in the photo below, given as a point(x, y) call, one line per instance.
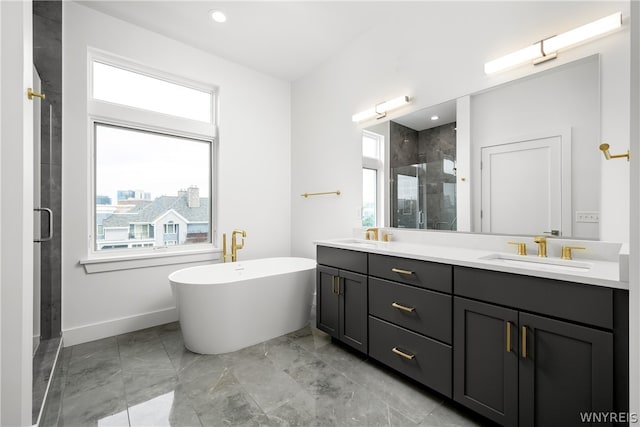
point(401, 271)
point(403, 307)
point(402, 353)
point(524, 342)
point(508, 337)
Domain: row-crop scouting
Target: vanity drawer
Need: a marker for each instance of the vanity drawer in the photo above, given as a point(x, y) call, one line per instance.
point(431, 361)
point(342, 258)
point(425, 274)
point(431, 314)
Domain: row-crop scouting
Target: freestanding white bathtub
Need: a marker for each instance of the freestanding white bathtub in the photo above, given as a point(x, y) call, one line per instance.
point(226, 307)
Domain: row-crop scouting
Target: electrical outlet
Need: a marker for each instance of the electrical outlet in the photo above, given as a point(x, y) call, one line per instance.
point(584, 216)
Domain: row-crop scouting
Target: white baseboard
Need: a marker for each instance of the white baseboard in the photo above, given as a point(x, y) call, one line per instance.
point(110, 328)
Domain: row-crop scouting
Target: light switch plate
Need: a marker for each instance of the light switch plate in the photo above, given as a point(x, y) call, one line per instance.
point(587, 216)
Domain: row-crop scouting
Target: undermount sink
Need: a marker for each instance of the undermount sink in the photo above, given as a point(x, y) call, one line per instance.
point(549, 264)
point(358, 242)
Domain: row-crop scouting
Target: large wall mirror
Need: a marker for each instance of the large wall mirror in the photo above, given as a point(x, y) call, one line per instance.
point(519, 158)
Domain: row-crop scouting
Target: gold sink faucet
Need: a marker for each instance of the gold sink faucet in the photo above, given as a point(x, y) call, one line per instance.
point(234, 243)
point(566, 251)
point(522, 247)
point(371, 231)
point(542, 245)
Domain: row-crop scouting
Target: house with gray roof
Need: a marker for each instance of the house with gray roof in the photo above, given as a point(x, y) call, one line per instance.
point(165, 221)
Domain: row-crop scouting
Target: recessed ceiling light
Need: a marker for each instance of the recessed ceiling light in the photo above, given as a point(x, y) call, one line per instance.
point(435, 117)
point(218, 16)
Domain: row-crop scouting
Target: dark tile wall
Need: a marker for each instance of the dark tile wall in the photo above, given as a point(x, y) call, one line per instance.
point(436, 204)
point(435, 145)
point(403, 143)
point(47, 58)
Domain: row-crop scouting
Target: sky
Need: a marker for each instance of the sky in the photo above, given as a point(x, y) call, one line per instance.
point(154, 163)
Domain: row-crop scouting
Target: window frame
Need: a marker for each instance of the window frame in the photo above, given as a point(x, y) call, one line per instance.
point(377, 164)
point(105, 113)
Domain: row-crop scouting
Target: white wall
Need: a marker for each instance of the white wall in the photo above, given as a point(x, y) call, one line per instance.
point(634, 247)
point(253, 181)
point(548, 103)
point(16, 213)
point(434, 52)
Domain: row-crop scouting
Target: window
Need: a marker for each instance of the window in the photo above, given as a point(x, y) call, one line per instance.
point(133, 89)
point(372, 178)
point(141, 231)
point(369, 197)
point(153, 164)
point(171, 176)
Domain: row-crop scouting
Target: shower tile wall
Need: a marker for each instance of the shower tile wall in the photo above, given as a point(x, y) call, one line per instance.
point(404, 145)
point(434, 146)
point(47, 57)
point(436, 192)
point(403, 152)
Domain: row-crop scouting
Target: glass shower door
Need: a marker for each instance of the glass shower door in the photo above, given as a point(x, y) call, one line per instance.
point(423, 196)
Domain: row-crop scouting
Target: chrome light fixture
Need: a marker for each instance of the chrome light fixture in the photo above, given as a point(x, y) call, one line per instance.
point(547, 49)
point(380, 110)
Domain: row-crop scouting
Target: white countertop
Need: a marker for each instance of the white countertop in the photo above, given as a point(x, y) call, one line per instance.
point(592, 272)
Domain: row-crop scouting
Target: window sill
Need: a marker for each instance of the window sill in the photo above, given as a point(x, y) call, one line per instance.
point(128, 262)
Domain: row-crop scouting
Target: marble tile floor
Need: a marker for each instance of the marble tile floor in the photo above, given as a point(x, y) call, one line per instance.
point(148, 378)
point(42, 363)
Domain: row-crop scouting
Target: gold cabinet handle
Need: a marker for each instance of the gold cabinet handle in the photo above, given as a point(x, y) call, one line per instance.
point(524, 342)
point(338, 282)
point(31, 94)
point(401, 271)
point(508, 337)
point(333, 285)
point(403, 307)
point(402, 353)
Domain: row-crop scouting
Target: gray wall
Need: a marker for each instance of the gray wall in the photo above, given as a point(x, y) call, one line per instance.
point(47, 58)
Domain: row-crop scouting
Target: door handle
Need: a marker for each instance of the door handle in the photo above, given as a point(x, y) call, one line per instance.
point(524, 342)
point(508, 337)
point(50, 236)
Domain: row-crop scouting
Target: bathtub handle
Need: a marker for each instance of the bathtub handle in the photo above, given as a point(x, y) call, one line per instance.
point(403, 307)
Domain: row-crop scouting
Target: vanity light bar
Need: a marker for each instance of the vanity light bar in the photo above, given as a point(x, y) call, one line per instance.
point(380, 110)
point(548, 48)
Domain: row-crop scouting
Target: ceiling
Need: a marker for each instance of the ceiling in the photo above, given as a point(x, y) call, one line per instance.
point(284, 39)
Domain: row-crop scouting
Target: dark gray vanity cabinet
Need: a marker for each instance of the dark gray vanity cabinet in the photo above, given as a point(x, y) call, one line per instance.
point(485, 359)
point(568, 370)
point(524, 369)
point(341, 295)
point(410, 318)
point(521, 350)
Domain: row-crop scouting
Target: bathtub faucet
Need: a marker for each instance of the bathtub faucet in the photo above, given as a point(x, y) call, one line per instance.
point(225, 255)
point(234, 243)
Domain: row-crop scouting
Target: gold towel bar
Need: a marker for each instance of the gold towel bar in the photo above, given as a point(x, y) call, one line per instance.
point(305, 195)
